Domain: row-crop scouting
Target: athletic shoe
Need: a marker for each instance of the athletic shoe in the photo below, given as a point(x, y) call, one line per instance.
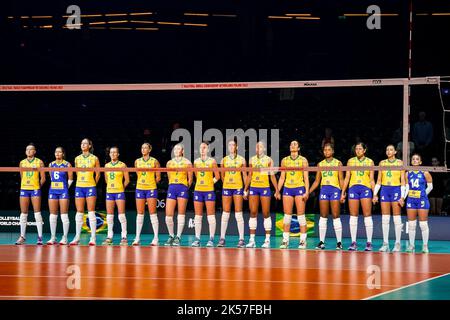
point(221, 243)
point(39, 241)
point(284, 245)
point(63, 241)
point(210, 243)
point(266, 244)
point(397, 247)
point(241, 243)
point(251, 244)
point(169, 241)
point(92, 242)
point(368, 246)
point(136, 242)
point(302, 245)
point(425, 248)
point(196, 243)
point(339, 246)
point(320, 246)
point(176, 241)
point(51, 242)
point(155, 242)
point(20, 241)
point(123, 241)
point(411, 249)
point(353, 247)
point(107, 242)
point(384, 247)
point(74, 242)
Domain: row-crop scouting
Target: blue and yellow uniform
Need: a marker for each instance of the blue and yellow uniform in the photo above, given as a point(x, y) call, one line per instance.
point(259, 185)
point(59, 188)
point(85, 186)
point(204, 184)
point(232, 180)
point(417, 196)
point(330, 188)
point(30, 182)
point(390, 181)
point(294, 183)
point(146, 181)
point(115, 189)
point(178, 180)
point(360, 187)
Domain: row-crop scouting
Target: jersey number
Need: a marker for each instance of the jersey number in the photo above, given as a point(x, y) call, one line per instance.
point(56, 175)
point(415, 183)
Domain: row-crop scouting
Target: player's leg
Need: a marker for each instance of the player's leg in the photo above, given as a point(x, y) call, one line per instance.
point(64, 211)
point(227, 200)
point(80, 202)
point(324, 208)
point(198, 209)
point(238, 205)
point(385, 223)
point(90, 203)
point(353, 206)
point(24, 205)
point(337, 223)
point(53, 207)
point(265, 208)
point(140, 211)
point(110, 207)
point(412, 226)
point(211, 215)
point(300, 204)
point(36, 203)
point(288, 206)
point(366, 205)
point(181, 218)
point(170, 210)
point(122, 219)
point(253, 203)
point(152, 210)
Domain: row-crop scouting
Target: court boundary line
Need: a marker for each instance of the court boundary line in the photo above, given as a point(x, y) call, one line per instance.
point(407, 286)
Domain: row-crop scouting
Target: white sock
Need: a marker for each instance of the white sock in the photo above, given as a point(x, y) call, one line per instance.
point(224, 224)
point(110, 222)
point(425, 231)
point(322, 228)
point(337, 224)
point(412, 231)
point(353, 227)
point(286, 236)
point(78, 225)
point(39, 223)
point(268, 227)
point(169, 223)
point(23, 224)
point(368, 222)
point(398, 228)
point(92, 223)
point(53, 222)
point(240, 224)
point(385, 221)
point(252, 237)
point(180, 224)
point(212, 225)
point(155, 224)
point(198, 226)
point(65, 223)
point(139, 224)
point(123, 224)
point(303, 236)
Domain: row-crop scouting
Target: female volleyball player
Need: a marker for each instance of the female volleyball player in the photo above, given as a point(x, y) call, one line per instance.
point(146, 190)
point(86, 191)
point(177, 194)
point(260, 191)
point(361, 185)
point(204, 193)
point(30, 188)
point(58, 196)
point(419, 185)
point(295, 186)
point(392, 186)
point(232, 191)
point(116, 182)
point(330, 195)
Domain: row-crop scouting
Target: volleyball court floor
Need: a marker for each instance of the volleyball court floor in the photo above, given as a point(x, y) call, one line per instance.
point(115, 272)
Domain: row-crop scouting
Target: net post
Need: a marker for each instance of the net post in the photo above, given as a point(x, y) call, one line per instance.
point(406, 111)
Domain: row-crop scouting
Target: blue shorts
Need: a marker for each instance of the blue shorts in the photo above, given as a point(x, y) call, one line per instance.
point(262, 192)
point(177, 191)
point(146, 194)
point(390, 193)
point(58, 196)
point(115, 196)
point(232, 192)
point(329, 193)
point(358, 191)
point(204, 196)
point(293, 192)
point(417, 203)
point(30, 193)
point(85, 192)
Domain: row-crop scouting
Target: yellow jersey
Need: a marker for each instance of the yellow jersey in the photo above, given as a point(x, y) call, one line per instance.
point(114, 179)
point(330, 178)
point(233, 179)
point(360, 177)
point(205, 180)
point(294, 179)
point(178, 177)
point(391, 177)
point(85, 179)
point(260, 179)
point(146, 179)
point(30, 179)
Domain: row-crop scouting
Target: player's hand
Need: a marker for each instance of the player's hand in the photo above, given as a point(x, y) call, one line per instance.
point(277, 195)
point(306, 196)
point(343, 198)
point(401, 202)
point(375, 199)
point(245, 195)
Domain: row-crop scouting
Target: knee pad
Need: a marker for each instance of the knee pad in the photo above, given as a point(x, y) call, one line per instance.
point(38, 217)
point(397, 220)
point(337, 223)
point(353, 221)
point(122, 218)
point(65, 218)
point(23, 218)
point(211, 219)
point(91, 215)
point(169, 220)
point(287, 219)
point(198, 219)
point(268, 224)
point(368, 221)
point(79, 217)
point(412, 224)
point(423, 225)
point(302, 220)
point(385, 218)
point(323, 222)
point(239, 217)
point(252, 223)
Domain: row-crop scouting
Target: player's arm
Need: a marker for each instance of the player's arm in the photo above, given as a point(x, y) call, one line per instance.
point(404, 194)
point(69, 175)
point(247, 182)
point(20, 166)
point(42, 174)
point(190, 175)
point(244, 173)
point(429, 180)
point(306, 179)
point(222, 173)
point(341, 176)
point(346, 182)
point(282, 176)
point(273, 179)
point(377, 186)
point(157, 174)
point(97, 173)
point(126, 176)
point(316, 182)
point(372, 177)
point(216, 172)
